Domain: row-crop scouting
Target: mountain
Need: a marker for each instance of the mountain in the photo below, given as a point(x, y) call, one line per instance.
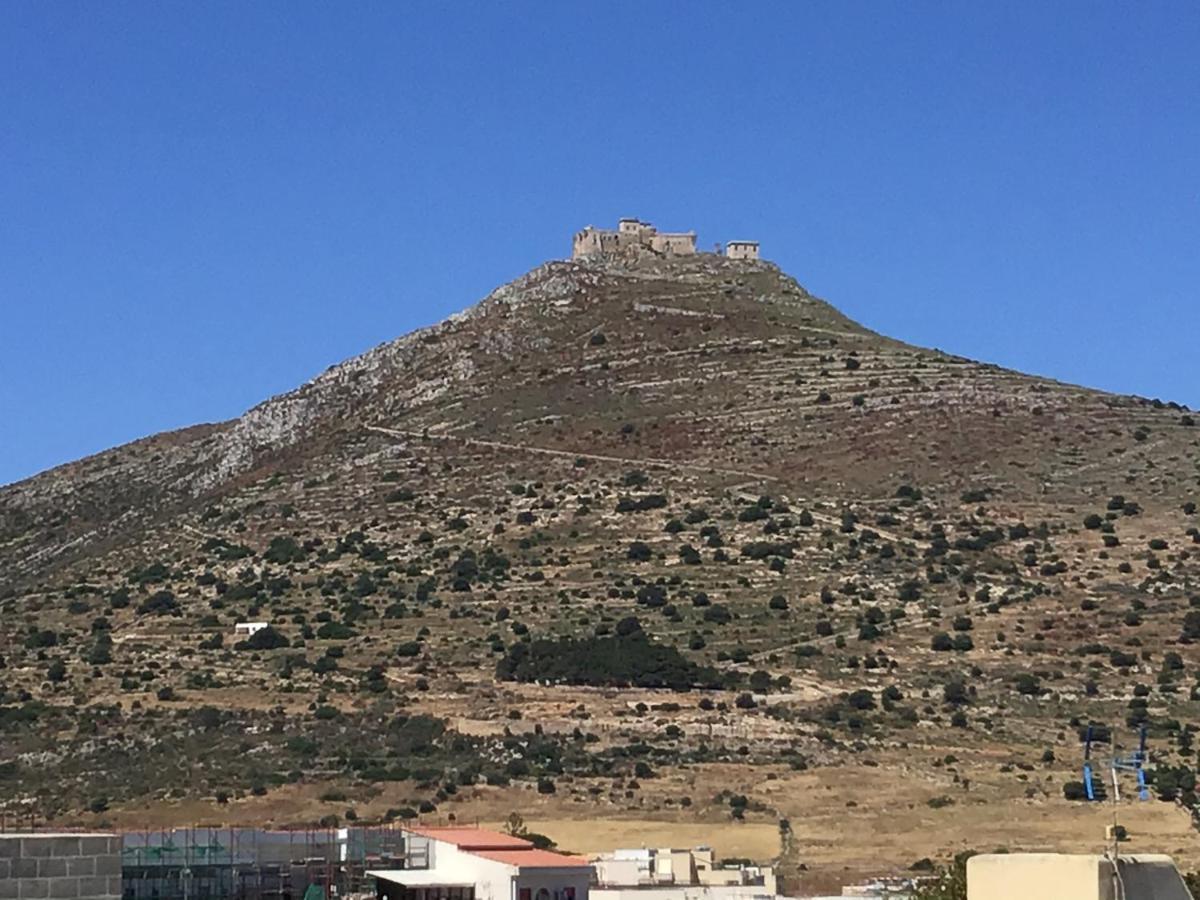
point(663, 541)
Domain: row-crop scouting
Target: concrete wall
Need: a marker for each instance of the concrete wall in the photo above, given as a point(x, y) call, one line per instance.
point(1036, 876)
point(1061, 876)
point(621, 871)
point(66, 866)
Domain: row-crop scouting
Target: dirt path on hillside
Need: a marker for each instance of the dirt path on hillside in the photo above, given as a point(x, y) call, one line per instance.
point(572, 454)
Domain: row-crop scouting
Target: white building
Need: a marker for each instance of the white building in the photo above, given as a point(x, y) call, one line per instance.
point(650, 873)
point(742, 250)
point(248, 628)
point(477, 864)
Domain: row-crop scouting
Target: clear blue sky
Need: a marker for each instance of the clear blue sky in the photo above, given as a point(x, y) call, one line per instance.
point(203, 204)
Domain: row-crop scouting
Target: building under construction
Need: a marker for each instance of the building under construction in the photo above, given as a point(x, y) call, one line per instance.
point(256, 864)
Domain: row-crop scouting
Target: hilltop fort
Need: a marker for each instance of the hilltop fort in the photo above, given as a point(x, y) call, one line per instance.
point(634, 236)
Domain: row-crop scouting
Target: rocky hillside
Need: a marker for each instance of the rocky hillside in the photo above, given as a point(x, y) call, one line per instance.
point(621, 535)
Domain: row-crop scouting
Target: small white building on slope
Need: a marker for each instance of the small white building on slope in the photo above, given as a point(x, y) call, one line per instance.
point(477, 864)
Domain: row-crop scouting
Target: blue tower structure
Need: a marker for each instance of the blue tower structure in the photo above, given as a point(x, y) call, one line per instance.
point(1134, 762)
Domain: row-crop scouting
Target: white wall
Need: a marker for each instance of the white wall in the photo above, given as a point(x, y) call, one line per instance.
point(622, 871)
point(1037, 876)
point(492, 880)
point(496, 880)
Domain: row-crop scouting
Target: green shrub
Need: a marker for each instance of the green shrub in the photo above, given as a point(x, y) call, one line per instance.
point(639, 552)
point(159, 603)
point(334, 631)
point(1027, 683)
point(632, 659)
point(283, 549)
point(264, 639)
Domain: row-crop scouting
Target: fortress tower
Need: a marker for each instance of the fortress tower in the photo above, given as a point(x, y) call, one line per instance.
point(632, 235)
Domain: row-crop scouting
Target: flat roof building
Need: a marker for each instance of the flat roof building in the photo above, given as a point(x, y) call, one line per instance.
point(649, 873)
point(478, 864)
point(742, 250)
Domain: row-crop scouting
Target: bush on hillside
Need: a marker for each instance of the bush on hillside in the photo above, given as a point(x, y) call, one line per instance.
point(263, 639)
point(623, 660)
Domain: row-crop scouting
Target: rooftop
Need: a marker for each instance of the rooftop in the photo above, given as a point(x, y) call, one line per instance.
point(534, 859)
point(472, 838)
point(499, 847)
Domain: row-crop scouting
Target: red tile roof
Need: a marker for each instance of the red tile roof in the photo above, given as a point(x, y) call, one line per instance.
point(499, 847)
point(534, 859)
point(472, 838)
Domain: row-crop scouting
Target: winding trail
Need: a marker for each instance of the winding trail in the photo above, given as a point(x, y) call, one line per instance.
point(572, 454)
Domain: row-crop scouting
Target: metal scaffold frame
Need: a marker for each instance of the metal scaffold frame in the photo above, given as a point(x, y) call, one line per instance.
point(230, 863)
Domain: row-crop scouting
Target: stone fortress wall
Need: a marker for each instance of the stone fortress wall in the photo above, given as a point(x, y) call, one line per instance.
point(635, 236)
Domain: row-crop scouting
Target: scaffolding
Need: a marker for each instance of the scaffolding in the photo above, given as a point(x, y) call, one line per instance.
point(202, 863)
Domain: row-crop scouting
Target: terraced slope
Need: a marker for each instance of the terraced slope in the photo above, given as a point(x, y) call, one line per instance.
point(746, 560)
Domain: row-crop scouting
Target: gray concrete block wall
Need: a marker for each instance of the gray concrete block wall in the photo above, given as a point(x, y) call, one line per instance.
point(60, 866)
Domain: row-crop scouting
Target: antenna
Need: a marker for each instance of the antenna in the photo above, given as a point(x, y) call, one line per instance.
point(1087, 765)
point(1134, 763)
point(1120, 764)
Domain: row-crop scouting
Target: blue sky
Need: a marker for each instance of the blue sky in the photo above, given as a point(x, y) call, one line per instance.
point(202, 205)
